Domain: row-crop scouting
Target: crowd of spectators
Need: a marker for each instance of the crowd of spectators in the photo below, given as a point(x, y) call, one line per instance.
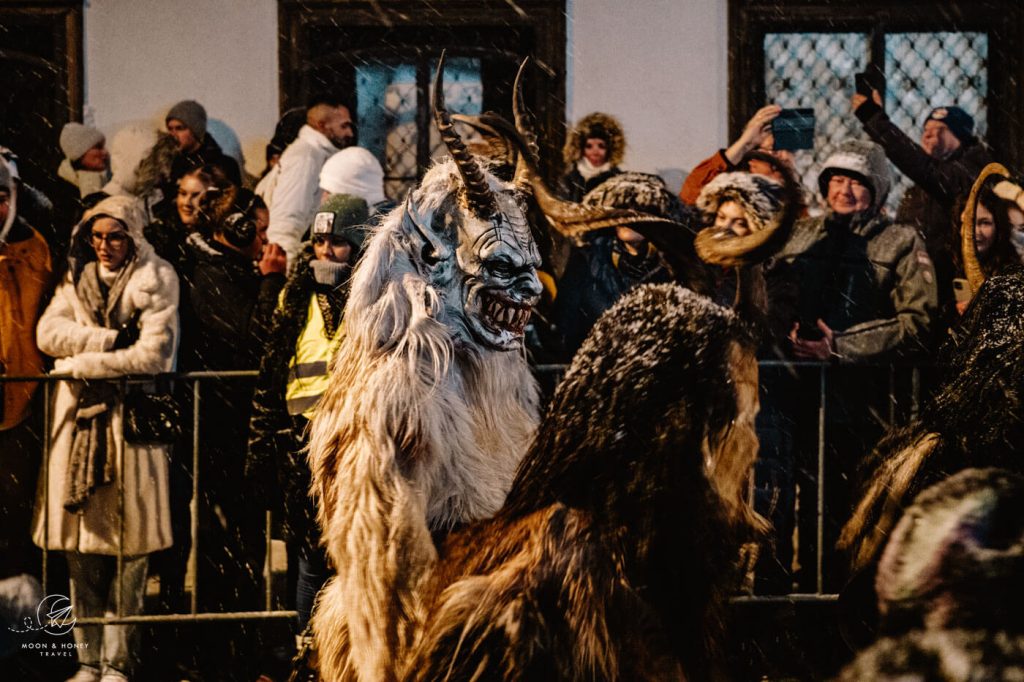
point(175, 265)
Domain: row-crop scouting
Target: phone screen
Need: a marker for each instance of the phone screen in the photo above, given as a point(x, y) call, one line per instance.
point(794, 129)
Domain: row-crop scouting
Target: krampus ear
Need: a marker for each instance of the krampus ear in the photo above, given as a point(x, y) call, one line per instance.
point(428, 245)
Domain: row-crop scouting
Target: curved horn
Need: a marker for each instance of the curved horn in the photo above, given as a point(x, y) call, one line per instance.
point(520, 118)
point(968, 251)
point(478, 193)
point(718, 248)
point(568, 218)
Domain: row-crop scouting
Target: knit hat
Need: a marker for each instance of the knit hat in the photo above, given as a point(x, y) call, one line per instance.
point(760, 197)
point(342, 215)
point(76, 139)
point(956, 119)
point(354, 170)
point(862, 160)
point(192, 114)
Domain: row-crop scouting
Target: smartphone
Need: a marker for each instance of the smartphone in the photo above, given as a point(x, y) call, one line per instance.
point(862, 84)
point(962, 290)
point(794, 129)
point(871, 78)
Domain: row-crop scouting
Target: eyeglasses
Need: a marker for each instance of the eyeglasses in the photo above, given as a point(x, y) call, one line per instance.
point(114, 239)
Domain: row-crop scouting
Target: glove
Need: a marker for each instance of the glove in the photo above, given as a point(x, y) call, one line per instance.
point(127, 334)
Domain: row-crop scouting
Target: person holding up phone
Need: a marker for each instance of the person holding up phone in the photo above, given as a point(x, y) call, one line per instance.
point(943, 167)
point(757, 135)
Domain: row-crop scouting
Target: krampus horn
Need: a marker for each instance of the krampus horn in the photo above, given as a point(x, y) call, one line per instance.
point(972, 268)
point(478, 194)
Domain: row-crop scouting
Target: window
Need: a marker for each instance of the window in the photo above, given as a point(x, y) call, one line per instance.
point(804, 54)
point(380, 56)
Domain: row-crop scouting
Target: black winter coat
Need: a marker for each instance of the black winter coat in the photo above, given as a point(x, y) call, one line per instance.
point(928, 206)
point(230, 308)
point(208, 154)
point(276, 469)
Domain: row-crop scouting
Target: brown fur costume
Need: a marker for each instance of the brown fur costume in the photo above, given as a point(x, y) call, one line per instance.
point(611, 556)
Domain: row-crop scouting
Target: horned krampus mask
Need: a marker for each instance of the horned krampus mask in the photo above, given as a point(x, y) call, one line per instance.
point(477, 249)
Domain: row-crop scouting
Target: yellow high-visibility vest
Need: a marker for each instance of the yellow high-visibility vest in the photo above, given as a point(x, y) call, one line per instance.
point(307, 371)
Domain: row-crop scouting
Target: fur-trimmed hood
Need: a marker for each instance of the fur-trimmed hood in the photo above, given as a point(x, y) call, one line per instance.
point(129, 211)
point(862, 160)
point(760, 197)
point(600, 125)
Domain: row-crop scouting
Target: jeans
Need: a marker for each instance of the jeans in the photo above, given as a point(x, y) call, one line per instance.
point(93, 595)
point(312, 576)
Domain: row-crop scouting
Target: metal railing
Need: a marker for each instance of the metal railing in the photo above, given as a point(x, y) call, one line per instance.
point(269, 612)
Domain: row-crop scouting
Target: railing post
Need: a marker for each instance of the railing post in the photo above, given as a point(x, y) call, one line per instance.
point(820, 550)
point(47, 430)
point(119, 464)
point(270, 562)
point(193, 555)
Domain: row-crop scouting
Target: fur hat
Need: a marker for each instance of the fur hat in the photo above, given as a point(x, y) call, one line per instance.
point(354, 170)
point(342, 215)
point(76, 139)
point(598, 125)
point(6, 178)
point(865, 161)
point(192, 114)
point(956, 556)
point(760, 197)
point(959, 122)
point(640, 192)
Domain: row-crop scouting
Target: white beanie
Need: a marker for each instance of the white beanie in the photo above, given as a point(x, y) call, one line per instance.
point(354, 170)
point(76, 139)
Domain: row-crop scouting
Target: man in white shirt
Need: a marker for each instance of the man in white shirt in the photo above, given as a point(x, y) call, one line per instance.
point(292, 189)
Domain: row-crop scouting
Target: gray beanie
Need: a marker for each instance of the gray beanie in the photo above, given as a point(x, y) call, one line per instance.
point(342, 215)
point(76, 139)
point(862, 160)
point(192, 114)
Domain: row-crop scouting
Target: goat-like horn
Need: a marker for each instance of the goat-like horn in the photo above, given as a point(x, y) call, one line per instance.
point(478, 193)
point(568, 218)
point(525, 130)
point(972, 268)
point(723, 248)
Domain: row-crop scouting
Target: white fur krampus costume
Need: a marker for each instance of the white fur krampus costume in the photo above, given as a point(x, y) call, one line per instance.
point(431, 403)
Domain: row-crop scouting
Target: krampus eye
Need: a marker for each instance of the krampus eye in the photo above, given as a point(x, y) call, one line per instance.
point(429, 255)
point(500, 269)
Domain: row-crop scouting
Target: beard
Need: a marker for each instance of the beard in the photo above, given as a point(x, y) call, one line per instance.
point(343, 141)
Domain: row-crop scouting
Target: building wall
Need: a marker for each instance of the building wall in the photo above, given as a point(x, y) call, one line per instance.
point(142, 56)
point(659, 65)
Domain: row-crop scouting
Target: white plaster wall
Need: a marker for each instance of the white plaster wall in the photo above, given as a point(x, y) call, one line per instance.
point(661, 67)
point(142, 56)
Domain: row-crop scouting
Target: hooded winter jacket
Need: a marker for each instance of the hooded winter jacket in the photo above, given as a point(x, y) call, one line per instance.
point(69, 332)
point(868, 279)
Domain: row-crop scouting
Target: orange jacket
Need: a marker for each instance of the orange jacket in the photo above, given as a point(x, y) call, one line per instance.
point(703, 173)
point(25, 271)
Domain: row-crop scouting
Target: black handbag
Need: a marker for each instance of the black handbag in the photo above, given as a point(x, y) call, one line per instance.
point(152, 418)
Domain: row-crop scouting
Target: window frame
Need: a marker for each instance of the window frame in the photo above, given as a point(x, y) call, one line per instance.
point(544, 89)
point(750, 20)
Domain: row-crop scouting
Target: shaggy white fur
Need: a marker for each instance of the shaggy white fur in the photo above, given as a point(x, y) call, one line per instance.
point(418, 431)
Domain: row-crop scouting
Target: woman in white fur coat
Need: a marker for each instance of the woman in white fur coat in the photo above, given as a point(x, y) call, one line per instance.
point(115, 313)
